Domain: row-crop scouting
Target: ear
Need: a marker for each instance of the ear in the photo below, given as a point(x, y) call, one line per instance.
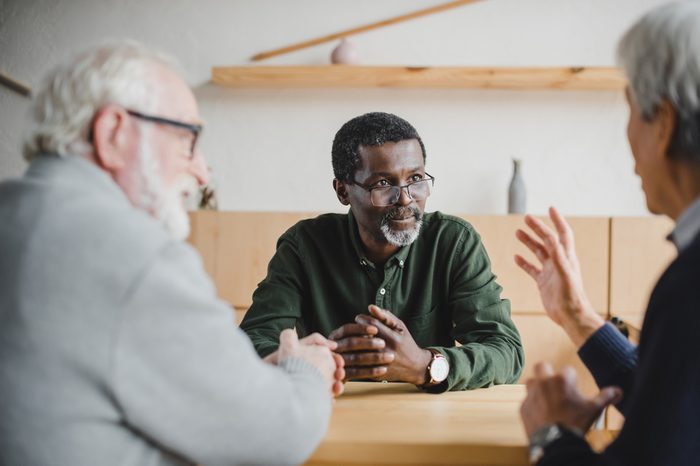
point(665, 126)
point(341, 191)
point(110, 137)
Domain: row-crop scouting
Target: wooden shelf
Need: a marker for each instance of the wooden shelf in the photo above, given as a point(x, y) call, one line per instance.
point(347, 76)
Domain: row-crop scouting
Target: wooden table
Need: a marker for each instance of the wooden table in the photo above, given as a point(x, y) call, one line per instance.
point(389, 424)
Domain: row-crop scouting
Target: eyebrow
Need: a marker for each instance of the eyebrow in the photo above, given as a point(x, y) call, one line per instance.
point(388, 174)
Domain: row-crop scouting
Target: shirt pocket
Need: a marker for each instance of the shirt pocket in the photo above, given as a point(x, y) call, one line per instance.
point(428, 329)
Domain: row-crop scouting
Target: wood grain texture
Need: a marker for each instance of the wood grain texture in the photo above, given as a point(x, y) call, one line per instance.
point(350, 76)
point(237, 254)
point(543, 340)
point(640, 253)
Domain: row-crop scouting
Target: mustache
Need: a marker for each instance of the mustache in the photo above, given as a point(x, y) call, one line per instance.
point(402, 212)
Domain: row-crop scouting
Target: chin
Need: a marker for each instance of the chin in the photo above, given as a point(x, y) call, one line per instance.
point(653, 207)
point(401, 237)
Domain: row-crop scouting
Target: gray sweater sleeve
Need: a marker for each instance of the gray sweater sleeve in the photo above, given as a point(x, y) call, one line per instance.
point(188, 380)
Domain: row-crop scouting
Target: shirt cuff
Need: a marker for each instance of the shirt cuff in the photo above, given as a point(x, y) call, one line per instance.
point(567, 449)
point(299, 366)
point(606, 353)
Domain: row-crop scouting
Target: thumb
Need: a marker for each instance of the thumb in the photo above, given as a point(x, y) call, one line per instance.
point(606, 396)
point(289, 338)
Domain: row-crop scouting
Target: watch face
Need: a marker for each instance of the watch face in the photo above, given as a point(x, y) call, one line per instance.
point(439, 369)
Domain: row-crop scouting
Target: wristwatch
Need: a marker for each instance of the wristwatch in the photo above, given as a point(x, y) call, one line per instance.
point(541, 439)
point(438, 369)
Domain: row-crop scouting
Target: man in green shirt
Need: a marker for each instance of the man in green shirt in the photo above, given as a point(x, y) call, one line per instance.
point(426, 277)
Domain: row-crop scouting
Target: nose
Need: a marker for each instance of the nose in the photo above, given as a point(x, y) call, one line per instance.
point(404, 197)
point(199, 168)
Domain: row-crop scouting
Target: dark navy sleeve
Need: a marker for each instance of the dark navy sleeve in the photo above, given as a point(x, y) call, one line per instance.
point(612, 360)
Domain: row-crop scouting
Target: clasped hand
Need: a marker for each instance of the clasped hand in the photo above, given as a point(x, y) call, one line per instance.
point(379, 346)
point(317, 351)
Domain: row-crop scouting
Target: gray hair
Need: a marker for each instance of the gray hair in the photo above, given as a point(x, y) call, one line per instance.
point(660, 55)
point(65, 105)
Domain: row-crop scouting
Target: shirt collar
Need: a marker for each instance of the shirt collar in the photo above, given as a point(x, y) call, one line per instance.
point(687, 227)
point(76, 172)
point(399, 258)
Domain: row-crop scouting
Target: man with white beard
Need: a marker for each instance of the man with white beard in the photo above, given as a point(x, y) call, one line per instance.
point(113, 346)
point(426, 277)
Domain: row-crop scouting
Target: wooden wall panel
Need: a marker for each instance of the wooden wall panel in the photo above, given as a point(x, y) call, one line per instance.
point(640, 253)
point(204, 236)
point(244, 244)
point(592, 246)
point(543, 340)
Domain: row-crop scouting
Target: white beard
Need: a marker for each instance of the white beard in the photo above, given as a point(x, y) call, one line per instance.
point(166, 205)
point(401, 238)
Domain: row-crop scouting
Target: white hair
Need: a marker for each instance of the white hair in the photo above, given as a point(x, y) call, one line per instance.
point(65, 105)
point(660, 55)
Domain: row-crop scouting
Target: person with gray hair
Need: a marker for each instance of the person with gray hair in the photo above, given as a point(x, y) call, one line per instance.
point(656, 386)
point(113, 346)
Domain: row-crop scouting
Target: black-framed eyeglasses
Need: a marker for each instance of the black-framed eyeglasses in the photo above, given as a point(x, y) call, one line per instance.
point(196, 130)
point(384, 196)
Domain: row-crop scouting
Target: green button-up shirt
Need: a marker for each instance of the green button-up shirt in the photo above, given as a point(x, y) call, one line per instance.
point(441, 286)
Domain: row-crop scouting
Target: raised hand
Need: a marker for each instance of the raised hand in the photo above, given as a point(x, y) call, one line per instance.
point(411, 361)
point(559, 276)
point(554, 399)
point(365, 356)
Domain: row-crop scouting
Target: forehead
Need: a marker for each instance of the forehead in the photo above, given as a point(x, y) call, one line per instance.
point(176, 98)
point(391, 157)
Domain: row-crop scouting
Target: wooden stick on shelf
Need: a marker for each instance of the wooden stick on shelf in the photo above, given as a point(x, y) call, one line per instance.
point(15, 85)
point(337, 76)
point(357, 30)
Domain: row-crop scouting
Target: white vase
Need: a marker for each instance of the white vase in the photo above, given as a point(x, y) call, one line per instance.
point(517, 196)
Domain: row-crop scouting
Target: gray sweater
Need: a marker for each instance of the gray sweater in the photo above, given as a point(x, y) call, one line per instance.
point(114, 349)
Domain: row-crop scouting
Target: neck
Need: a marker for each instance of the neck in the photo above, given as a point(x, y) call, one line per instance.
point(686, 183)
point(378, 250)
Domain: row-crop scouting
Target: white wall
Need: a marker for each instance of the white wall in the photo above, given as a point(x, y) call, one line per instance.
point(270, 149)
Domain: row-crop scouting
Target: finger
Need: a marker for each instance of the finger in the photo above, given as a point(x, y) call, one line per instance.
point(355, 329)
point(537, 249)
point(607, 396)
point(289, 338)
point(373, 358)
point(360, 344)
point(339, 374)
point(364, 372)
point(385, 316)
point(339, 361)
point(385, 331)
point(543, 370)
point(338, 387)
point(531, 383)
point(566, 235)
point(569, 374)
point(530, 269)
point(545, 233)
point(551, 243)
point(318, 339)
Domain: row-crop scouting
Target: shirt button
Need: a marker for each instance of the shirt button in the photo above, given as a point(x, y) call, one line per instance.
point(382, 291)
point(400, 263)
